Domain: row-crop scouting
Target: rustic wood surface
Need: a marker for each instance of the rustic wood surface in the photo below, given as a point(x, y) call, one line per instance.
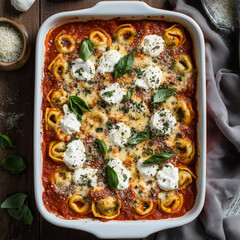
point(17, 97)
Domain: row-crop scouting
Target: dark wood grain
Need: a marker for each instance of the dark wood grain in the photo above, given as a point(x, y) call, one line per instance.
point(17, 96)
point(18, 86)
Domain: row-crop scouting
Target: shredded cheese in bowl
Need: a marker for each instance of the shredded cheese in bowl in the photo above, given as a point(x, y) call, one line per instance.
point(11, 43)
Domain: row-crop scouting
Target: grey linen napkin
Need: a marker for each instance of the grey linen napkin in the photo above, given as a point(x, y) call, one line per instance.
point(223, 142)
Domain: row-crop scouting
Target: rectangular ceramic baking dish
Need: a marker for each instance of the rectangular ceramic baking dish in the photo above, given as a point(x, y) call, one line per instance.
point(127, 10)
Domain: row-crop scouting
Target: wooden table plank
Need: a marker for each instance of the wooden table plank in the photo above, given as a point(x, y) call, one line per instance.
point(16, 96)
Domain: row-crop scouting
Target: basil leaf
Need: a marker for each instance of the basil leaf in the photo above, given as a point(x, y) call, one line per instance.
point(163, 94)
point(128, 96)
point(5, 141)
point(112, 177)
point(158, 158)
point(27, 215)
point(138, 137)
point(102, 145)
point(23, 214)
point(78, 105)
point(15, 201)
point(86, 49)
point(14, 163)
point(124, 65)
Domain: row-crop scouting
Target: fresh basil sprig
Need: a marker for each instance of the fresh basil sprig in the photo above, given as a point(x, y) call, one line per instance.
point(102, 145)
point(128, 96)
point(158, 158)
point(163, 94)
point(78, 105)
point(17, 207)
point(138, 137)
point(112, 177)
point(14, 163)
point(124, 65)
point(5, 141)
point(86, 49)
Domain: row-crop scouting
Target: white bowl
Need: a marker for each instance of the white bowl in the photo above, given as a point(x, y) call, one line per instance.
point(127, 10)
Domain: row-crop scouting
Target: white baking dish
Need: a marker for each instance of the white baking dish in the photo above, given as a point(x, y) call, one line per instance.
point(126, 10)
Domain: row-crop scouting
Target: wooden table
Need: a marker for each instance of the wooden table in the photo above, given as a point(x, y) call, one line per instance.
point(16, 101)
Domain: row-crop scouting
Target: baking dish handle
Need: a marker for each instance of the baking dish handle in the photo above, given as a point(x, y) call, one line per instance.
point(123, 8)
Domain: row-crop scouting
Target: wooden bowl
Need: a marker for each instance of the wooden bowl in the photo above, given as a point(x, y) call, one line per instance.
point(19, 62)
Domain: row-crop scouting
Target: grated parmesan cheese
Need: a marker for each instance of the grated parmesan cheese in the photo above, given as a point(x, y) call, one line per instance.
point(11, 44)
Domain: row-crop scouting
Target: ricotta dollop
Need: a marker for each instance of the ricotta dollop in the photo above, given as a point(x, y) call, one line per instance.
point(122, 173)
point(163, 122)
point(167, 177)
point(112, 94)
point(82, 70)
point(85, 177)
point(120, 134)
point(108, 61)
point(69, 123)
point(74, 156)
point(151, 78)
point(146, 171)
point(153, 45)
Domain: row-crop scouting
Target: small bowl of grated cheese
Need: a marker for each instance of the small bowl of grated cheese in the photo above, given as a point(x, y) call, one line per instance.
point(14, 45)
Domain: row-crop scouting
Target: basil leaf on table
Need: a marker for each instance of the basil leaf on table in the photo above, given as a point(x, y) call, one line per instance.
point(163, 94)
point(138, 137)
point(78, 105)
point(112, 177)
point(158, 158)
point(128, 96)
point(86, 49)
point(102, 145)
point(14, 163)
point(124, 65)
point(17, 208)
point(15, 201)
point(5, 141)
point(23, 214)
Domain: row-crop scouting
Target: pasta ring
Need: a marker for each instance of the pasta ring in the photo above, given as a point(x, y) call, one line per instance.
point(53, 118)
point(170, 202)
point(56, 151)
point(187, 150)
point(100, 38)
point(61, 176)
point(64, 43)
point(174, 36)
point(125, 34)
point(185, 176)
point(143, 206)
point(58, 67)
point(108, 208)
point(57, 97)
point(184, 111)
point(78, 204)
point(183, 64)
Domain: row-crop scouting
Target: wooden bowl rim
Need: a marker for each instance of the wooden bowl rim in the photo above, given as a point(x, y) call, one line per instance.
point(23, 31)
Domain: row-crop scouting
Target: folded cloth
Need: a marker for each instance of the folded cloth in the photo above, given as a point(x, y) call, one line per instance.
point(223, 141)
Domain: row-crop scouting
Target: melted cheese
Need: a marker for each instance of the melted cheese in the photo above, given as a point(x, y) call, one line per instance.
point(167, 177)
point(122, 173)
point(120, 134)
point(108, 61)
point(82, 70)
point(153, 45)
point(69, 123)
point(74, 156)
point(163, 122)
